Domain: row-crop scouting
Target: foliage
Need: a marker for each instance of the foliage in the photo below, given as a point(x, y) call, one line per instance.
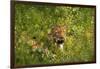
point(36, 20)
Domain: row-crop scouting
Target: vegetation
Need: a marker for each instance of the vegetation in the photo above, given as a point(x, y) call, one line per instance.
point(34, 21)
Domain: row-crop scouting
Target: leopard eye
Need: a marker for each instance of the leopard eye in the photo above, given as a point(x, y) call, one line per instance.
point(56, 31)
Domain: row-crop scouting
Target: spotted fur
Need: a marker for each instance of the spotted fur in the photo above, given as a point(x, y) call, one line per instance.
point(58, 35)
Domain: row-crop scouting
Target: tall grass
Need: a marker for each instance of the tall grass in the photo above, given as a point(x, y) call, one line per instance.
point(36, 20)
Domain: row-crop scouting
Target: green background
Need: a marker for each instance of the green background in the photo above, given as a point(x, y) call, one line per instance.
point(36, 20)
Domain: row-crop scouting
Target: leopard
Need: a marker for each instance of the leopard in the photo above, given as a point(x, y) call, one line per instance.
point(57, 35)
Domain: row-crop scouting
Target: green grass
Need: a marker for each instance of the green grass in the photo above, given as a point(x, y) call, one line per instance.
point(36, 20)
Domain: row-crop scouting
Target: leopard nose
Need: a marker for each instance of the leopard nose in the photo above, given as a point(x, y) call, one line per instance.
point(61, 38)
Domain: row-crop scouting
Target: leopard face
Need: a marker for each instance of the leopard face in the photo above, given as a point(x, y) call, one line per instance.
point(58, 35)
